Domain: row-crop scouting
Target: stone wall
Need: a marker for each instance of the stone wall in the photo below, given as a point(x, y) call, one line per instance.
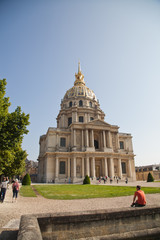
point(129, 223)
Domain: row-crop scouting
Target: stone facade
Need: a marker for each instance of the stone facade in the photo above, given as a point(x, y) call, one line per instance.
point(31, 168)
point(142, 172)
point(83, 143)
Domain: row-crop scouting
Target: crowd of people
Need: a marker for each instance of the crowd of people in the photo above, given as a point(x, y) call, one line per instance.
point(5, 185)
point(110, 179)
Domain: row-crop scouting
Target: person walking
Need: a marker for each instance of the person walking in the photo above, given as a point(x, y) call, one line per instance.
point(15, 189)
point(3, 189)
point(140, 196)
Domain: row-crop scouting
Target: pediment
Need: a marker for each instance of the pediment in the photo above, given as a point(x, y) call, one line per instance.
point(98, 122)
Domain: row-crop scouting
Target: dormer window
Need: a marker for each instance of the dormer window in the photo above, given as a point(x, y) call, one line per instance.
point(70, 104)
point(80, 103)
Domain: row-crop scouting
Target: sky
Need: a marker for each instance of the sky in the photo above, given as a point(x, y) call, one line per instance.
point(118, 45)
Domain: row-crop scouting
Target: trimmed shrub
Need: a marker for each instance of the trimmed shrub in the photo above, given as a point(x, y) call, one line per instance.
point(150, 178)
point(86, 180)
point(26, 180)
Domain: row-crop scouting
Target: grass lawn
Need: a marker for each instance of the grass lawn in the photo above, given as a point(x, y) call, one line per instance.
point(27, 191)
point(68, 192)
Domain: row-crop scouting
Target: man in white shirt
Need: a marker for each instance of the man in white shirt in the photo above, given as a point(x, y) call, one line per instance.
point(3, 189)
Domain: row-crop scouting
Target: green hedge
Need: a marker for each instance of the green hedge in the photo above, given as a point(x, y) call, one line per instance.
point(26, 180)
point(150, 178)
point(86, 180)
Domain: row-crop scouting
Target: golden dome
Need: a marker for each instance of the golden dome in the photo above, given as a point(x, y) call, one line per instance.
point(80, 89)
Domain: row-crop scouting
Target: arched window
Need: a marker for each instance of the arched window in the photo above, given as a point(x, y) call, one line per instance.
point(80, 103)
point(90, 104)
point(70, 104)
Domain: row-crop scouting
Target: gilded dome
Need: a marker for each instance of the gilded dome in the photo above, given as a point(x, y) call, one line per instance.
point(80, 89)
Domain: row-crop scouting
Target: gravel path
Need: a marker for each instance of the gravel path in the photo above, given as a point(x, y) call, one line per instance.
point(9, 210)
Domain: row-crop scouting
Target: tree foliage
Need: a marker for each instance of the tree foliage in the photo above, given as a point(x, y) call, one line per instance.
point(86, 180)
point(26, 180)
point(12, 128)
point(150, 178)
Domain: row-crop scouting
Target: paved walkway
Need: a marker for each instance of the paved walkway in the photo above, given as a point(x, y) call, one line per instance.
point(10, 213)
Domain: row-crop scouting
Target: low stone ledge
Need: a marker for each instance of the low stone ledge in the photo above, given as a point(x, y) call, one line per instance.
point(29, 228)
point(128, 223)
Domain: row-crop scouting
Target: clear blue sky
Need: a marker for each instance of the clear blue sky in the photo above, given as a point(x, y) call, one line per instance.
point(118, 45)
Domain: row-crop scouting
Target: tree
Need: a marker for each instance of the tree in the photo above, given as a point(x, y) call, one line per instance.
point(86, 180)
point(150, 178)
point(12, 128)
point(26, 180)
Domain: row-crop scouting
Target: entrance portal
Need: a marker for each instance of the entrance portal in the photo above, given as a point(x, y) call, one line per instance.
point(97, 171)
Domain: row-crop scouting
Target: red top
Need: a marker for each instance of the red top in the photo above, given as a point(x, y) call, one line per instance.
point(16, 184)
point(141, 197)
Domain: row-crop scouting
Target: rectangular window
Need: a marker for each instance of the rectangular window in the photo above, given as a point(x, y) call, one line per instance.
point(123, 167)
point(62, 142)
point(62, 167)
point(91, 118)
point(121, 145)
point(69, 121)
point(80, 119)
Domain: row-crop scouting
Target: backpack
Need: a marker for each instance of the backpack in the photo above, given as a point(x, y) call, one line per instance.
point(14, 188)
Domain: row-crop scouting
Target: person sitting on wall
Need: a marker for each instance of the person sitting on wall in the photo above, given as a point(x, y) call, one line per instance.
point(140, 196)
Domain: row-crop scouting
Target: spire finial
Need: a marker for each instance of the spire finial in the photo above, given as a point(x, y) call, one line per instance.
point(79, 77)
point(79, 67)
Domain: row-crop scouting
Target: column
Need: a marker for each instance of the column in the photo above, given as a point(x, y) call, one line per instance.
point(82, 167)
point(76, 118)
point(63, 123)
point(45, 178)
point(57, 140)
point(111, 167)
point(74, 167)
point(74, 137)
point(93, 167)
point(105, 167)
point(69, 168)
point(117, 145)
point(82, 139)
point(87, 166)
point(109, 139)
point(87, 142)
point(119, 168)
point(104, 139)
point(85, 117)
point(92, 138)
point(129, 168)
point(56, 168)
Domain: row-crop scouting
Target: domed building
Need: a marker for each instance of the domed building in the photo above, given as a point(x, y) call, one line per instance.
point(83, 143)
